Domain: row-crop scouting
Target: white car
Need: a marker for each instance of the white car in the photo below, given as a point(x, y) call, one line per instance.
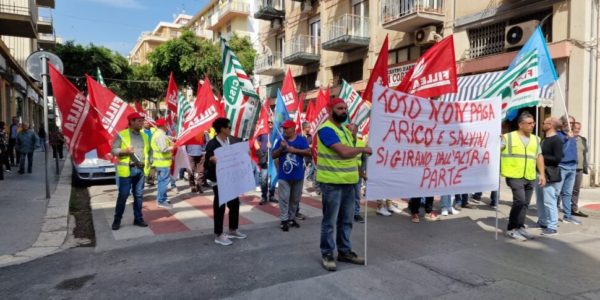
point(93, 170)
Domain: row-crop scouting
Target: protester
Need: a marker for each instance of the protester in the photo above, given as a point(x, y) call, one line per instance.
point(196, 153)
point(521, 154)
point(25, 144)
point(582, 168)
point(552, 151)
point(291, 152)
point(223, 129)
point(57, 140)
point(337, 175)
point(415, 203)
point(568, 168)
point(262, 147)
point(133, 151)
point(162, 147)
point(150, 170)
point(12, 141)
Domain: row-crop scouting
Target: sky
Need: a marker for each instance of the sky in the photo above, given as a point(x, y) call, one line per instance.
point(115, 24)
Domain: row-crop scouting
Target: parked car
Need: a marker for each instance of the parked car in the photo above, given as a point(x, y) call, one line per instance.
point(93, 170)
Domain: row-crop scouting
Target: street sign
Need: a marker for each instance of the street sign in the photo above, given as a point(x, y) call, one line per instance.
point(34, 63)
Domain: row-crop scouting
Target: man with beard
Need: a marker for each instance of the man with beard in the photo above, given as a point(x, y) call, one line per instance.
point(337, 174)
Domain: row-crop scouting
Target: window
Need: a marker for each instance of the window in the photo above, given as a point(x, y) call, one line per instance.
point(360, 8)
point(486, 40)
point(315, 34)
point(280, 43)
point(400, 55)
point(351, 72)
point(306, 82)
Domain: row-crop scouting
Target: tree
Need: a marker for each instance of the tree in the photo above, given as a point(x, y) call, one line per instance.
point(242, 47)
point(143, 84)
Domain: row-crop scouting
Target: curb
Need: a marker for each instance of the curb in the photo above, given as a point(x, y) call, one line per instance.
point(54, 229)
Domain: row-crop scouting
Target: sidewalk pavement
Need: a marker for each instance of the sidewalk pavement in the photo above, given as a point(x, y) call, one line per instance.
point(32, 226)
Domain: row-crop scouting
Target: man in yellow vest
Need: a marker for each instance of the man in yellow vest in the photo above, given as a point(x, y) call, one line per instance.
point(149, 130)
point(521, 154)
point(133, 150)
point(162, 158)
point(337, 174)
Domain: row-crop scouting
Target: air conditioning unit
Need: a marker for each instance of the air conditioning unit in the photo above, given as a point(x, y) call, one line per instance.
point(276, 23)
point(425, 35)
point(306, 6)
point(518, 34)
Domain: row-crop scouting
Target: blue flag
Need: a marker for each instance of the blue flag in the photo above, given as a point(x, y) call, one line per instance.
point(280, 115)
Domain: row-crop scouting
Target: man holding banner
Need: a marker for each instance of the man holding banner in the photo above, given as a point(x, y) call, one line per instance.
point(337, 174)
point(521, 154)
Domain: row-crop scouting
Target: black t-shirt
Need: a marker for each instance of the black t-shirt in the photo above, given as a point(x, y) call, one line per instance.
point(211, 146)
point(552, 150)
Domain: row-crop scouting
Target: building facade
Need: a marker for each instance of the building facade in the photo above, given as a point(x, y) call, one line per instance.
point(26, 26)
point(149, 40)
point(223, 18)
point(323, 42)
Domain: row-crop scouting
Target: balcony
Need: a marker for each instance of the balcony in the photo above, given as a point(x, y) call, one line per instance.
point(17, 20)
point(302, 50)
point(268, 64)
point(410, 15)
point(44, 25)
point(269, 9)
point(46, 41)
point(227, 12)
point(204, 33)
point(45, 3)
point(347, 33)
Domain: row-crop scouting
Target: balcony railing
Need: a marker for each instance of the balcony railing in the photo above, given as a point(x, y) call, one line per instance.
point(346, 33)
point(21, 20)
point(408, 15)
point(302, 50)
point(205, 33)
point(268, 64)
point(234, 6)
point(269, 9)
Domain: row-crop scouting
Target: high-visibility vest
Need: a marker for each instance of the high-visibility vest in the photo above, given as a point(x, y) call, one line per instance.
point(516, 160)
point(160, 159)
point(359, 143)
point(123, 164)
point(331, 167)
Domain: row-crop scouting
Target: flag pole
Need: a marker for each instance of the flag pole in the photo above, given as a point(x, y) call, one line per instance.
point(366, 217)
point(562, 97)
point(268, 169)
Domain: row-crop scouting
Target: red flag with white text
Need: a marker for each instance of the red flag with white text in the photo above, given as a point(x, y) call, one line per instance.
point(171, 97)
point(81, 124)
point(200, 118)
point(299, 114)
point(379, 73)
point(434, 74)
point(113, 111)
point(288, 93)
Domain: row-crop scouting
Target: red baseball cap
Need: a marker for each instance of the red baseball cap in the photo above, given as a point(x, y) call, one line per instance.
point(134, 115)
point(289, 124)
point(335, 101)
point(161, 122)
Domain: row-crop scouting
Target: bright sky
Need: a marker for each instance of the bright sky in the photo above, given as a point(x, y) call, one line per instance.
point(115, 24)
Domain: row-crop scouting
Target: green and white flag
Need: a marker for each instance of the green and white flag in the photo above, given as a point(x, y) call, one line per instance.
point(183, 110)
point(518, 87)
point(358, 109)
point(99, 77)
point(242, 104)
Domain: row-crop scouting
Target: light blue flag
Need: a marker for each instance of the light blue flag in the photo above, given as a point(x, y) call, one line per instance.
point(280, 115)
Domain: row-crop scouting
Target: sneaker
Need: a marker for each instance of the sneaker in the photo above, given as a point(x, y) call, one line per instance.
point(293, 223)
point(262, 201)
point(300, 216)
point(236, 235)
point(8, 171)
point(359, 219)
point(350, 257)
point(382, 211)
point(432, 217)
point(140, 223)
point(580, 214)
point(548, 231)
point(284, 226)
point(223, 240)
point(116, 225)
point(164, 205)
point(393, 209)
point(328, 262)
point(454, 211)
point(572, 221)
point(444, 212)
point(515, 235)
point(525, 234)
point(415, 218)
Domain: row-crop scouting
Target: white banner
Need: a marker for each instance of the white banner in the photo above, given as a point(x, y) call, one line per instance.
point(427, 147)
point(234, 171)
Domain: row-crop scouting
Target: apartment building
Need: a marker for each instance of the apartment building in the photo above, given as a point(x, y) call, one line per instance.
point(25, 27)
point(149, 40)
point(323, 42)
point(222, 18)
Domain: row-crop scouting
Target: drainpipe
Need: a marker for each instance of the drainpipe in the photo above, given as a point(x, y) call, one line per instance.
point(593, 113)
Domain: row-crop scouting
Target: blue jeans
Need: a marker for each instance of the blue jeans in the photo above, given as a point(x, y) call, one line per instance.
point(565, 188)
point(264, 182)
point(338, 211)
point(163, 177)
point(446, 201)
point(172, 181)
point(547, 198)
point(463, 199)
point(357, 197)
point(256, 174)
point(135, 184)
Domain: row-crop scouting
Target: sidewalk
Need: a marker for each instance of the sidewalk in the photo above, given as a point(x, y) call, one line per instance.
point(31, 225)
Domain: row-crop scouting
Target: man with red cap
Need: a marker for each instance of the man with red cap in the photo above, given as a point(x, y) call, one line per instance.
point(133, 151)
point(337, 174)
point(162, 147)
point(291, 152)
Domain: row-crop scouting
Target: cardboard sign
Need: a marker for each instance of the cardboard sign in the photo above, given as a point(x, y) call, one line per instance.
point(234, 171)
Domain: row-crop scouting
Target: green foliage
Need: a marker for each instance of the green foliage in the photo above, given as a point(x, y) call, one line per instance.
point(152, 87)
point(242, 47)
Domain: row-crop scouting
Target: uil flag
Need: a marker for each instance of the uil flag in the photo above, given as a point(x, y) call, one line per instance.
point(434, 73)
point(288, 92)
point(358, 109)
point(199, 117)
point(518, 86)
point(242, 104)
point(171, 97)
point(113, 110)
point(379, 73)
point(81, 125)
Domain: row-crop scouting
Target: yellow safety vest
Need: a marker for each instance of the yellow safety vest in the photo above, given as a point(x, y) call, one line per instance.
point(331, 167)
point(359, 143)
point(518, 161)
point(123, 164)
point(160, 159)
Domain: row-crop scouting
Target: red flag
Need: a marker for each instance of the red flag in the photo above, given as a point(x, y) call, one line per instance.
point(112, 110)
point(171, 98)
point(200, 118)
point(434, 73)
point(299, 114)
point(81, 125)
point(379, 73)
point(138, 107)
point(288, 92)
point(320, 113)
point(310, 111)
point(262, 127)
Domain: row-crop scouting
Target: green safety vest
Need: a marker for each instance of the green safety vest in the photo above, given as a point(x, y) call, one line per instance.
point(160, 159)
point(331, 167)
point(359, 143)
point(516, 160)
point(123, 164)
